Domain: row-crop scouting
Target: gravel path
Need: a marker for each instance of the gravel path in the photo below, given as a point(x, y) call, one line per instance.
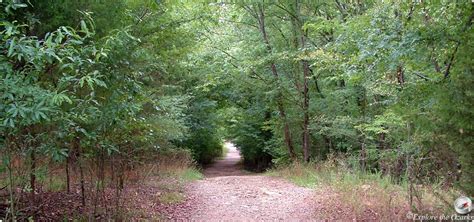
point(229, 194)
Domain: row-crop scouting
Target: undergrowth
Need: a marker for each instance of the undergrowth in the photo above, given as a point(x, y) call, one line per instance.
point(175, 164)
point(172, 198)
point(365, 195)
point(160, 179)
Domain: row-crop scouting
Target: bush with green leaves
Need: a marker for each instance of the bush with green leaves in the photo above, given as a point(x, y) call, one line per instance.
point(91, 100)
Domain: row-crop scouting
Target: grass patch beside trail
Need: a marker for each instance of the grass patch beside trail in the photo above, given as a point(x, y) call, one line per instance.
point(55, 184)
point(300, 175)
point(171, 182)
point(172, 198)
point(183, 175)
point(365, 196)
point(191, 174)
point(177, 164)
point(165, 179)
point(169, 173)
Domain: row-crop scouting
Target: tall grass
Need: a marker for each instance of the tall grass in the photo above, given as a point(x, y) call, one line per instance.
point(364, 195)
point(177, 164)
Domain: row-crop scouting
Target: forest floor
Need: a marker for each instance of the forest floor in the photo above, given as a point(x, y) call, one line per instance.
point(226, 193)
point(229, 193)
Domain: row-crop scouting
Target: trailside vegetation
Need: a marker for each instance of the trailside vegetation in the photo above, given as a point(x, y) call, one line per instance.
point(89, 95)
point(93, 91)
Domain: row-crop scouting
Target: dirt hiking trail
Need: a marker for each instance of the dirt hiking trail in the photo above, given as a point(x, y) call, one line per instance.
point(230, 194)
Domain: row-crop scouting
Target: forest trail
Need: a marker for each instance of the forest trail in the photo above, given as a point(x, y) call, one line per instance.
point(227, 166)
point(228, 193)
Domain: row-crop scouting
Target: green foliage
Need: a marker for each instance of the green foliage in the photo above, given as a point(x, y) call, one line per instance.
point(388, 83)
point(92, 82)
point(204, 145)
point(248, 130)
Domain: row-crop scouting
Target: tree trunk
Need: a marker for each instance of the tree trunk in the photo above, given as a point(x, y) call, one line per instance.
point(116, 187)
point(281, 109)
point(11, 178)
point(400, 75)
point(33, 175)
point(68, 177)
point(306, 73)
point(363, 157)
point(81, 175)
point(306, 145)
point(77, 145)
point(301, 35)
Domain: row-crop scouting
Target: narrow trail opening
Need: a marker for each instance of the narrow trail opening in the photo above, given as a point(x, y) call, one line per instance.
point(228, 193)
point(228, 165)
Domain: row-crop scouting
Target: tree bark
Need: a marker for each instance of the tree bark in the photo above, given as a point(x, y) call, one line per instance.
point(363, 156)
point(306, 72)
point(77, 146)
point(32, 145)
point(11, 182)
point(33, 175)
point(281, 108)
point(301, 35)
point(306, 144)
point(400, 75)
point(68, 177)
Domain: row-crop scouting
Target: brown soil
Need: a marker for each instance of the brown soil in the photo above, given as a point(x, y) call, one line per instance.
point(230, 194)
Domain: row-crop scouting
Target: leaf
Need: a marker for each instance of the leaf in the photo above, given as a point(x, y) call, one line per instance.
point(112, 149)
point(81, 82)
point(9, 122)
point(84, 27)
point(11, 47)
point(43, 115)
point(100, 83)
point(59, 155)
point(59, 98)
point(19, 5)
